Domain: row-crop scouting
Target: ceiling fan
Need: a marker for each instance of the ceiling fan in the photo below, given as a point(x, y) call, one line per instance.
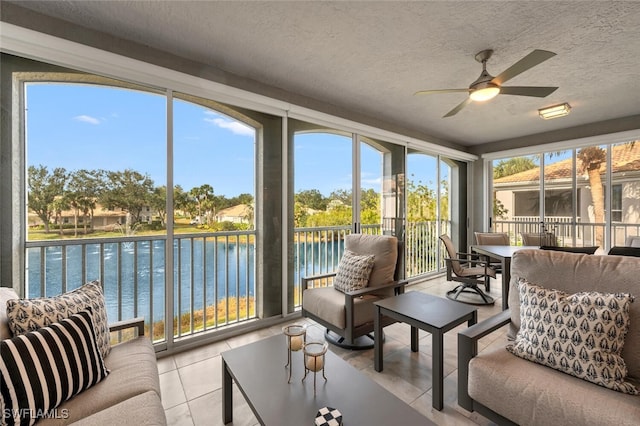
point(487, 86)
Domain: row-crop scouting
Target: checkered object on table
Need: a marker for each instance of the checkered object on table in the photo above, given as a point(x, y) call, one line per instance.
point(328, 416)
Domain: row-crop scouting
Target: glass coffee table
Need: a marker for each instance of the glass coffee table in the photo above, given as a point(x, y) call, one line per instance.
point(258, 369)
point(433, 314)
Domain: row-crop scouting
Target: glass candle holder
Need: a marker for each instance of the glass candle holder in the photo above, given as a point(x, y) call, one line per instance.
point(314, 353)
point(296, 335)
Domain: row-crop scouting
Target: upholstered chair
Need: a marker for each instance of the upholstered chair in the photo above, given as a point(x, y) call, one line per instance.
point(342, 301)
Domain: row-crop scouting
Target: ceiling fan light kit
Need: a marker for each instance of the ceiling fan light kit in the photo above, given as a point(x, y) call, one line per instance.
point(554, 111)
point(487, 87)
point(485, 93)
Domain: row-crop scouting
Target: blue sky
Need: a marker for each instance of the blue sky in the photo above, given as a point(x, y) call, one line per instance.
point(94, 127)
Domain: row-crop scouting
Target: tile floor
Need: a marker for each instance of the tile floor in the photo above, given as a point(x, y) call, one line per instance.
point(192, 389)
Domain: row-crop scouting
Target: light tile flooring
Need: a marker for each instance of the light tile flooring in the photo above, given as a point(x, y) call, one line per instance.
point(192, 388)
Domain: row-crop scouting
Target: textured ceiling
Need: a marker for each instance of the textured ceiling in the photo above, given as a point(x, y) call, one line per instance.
point(371, 57)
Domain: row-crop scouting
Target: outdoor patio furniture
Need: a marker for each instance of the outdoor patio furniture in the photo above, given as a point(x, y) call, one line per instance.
point(539, 239)
point(348, 314)
point(469, 270)
point(493, 239)
point(530, 393)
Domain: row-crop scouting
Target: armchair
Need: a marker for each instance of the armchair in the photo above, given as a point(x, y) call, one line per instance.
point(348, 316)
point(469, 270)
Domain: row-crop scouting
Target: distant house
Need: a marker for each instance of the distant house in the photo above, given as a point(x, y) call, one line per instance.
point(241, 213)
point(519, 193)
point(103, 218)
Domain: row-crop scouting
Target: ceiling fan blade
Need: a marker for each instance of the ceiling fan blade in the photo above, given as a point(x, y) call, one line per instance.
point(531, 60)
point(431, 92)
point(458, 108)
point(536, 91)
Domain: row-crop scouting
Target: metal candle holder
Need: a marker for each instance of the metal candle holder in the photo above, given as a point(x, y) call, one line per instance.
point(314, 360)
point(296, 335)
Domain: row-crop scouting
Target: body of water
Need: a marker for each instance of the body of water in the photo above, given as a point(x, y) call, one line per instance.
point(133, 273)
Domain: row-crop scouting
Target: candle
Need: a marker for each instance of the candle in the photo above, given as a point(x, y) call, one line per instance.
point(315, 363)
point(296, 343)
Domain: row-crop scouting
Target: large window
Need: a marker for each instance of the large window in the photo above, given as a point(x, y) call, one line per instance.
point(583, 203)
point(97, 172)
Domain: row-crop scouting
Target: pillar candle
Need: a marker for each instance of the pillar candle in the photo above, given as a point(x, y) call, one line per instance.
point(296, 343)
point(315, 363)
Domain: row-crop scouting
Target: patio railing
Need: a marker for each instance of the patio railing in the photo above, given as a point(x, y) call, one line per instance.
point(563, 228)
point(213, 273)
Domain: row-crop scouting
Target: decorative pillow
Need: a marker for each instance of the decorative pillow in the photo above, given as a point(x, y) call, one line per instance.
point(625, 251)
point(31, 314)
point(353, 271)
point(41, 369)
point(580, 334)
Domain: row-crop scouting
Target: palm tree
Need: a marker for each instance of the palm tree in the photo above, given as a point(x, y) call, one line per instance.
point(591, 159)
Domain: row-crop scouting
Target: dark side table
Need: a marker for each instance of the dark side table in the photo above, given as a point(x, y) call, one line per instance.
point(433, 314)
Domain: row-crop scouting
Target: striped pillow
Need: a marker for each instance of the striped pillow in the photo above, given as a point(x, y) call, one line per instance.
point(41, 369)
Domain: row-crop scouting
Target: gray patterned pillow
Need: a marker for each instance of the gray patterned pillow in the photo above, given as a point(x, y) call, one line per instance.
point(353, 271)
point(580, 334)
point(31, 314)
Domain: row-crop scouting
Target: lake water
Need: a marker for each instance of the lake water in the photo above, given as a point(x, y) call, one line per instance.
point(219, 270)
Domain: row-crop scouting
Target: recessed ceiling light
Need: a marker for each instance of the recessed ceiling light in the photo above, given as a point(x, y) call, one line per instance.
point(554, 111)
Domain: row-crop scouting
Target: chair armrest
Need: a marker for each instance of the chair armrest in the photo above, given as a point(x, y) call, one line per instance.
point(471, 262)
point(305, 280)
point(137, 323)
point(468, 348)
point(368, 290)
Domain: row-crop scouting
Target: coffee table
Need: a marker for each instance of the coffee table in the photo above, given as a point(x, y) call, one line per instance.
point(258, 370)
point(434, 314)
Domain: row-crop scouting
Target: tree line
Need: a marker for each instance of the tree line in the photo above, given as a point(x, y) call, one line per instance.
point(52, 192)
point(313, 209)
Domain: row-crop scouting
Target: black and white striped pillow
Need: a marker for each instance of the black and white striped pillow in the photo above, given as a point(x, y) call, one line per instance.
point(41, 369)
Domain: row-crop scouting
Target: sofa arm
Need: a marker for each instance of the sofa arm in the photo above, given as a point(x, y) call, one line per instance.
point(468, 348)
point(135, 323)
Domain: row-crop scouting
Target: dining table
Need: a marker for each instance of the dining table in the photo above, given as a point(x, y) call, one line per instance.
point(504, 255)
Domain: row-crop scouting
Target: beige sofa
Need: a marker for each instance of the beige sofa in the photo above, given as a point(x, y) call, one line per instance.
point(511, 390)
point(130, 394)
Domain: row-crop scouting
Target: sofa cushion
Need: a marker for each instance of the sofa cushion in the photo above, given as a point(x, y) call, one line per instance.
point(329, 304)
point(30, 314)
point(353, 271)
point(6, 293)
point(42, 368)
point(573, 273)
point(141, 410)
point(532, 394)
point(581, 334)
point(133, 371)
